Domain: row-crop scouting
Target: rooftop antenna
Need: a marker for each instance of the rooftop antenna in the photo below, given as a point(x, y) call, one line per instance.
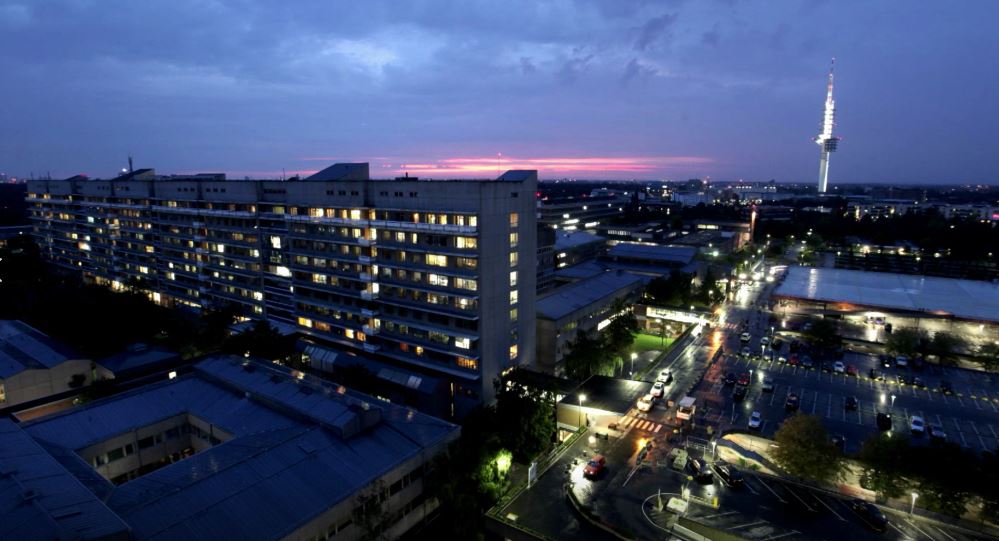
point(130, 170)
point(282, 173)
point(826, 140)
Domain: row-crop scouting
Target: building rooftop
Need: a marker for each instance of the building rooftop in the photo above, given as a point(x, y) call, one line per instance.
point(138, 358)
point(572, 239)
point(608, 394)
point(653, 252)
point(572, 297)
point(965, 299)
point(22, 347)
point(299, 446)
point(579, 271)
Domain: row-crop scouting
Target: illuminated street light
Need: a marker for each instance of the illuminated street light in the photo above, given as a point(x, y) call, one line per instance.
point(882, 398)
point(912, 507)
point(892, 401)
point(633, 357)
point(579, 417)
point(714, 445)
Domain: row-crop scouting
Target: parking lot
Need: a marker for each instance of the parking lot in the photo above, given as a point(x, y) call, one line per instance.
point(969, 415)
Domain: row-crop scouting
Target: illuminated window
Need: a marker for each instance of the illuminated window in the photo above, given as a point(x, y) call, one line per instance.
point(513, 278)
point(283, 271)
point(466, 262)
point(349, 333)
point(513, 259)
point(437, 280)
point(355, 214)
point(319, 278)
point(514, 219)
point(316, 212)
point(464, 362)
point(513, 352)
point(513, 315)
point(513, 297)
point(466, 283)
point(466, 242)
point(276, 242)
point(463, 343)
point(400, 236)
point(437, 260)
point(473, 221)
point(305, 322)
point(419, 351)
point(514, 237)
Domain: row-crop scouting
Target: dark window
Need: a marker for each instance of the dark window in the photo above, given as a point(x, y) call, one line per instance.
point(146, 443)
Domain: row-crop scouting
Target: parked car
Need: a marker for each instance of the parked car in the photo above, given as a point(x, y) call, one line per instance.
point(665, 376)
point(850, 403)
point(755, 420)
point(764, 341)
point(873, 374)
point(746, 337)
point(870, 515)
point(739, 393)
point(645, 403)
point(885, 361)
point(768, 385)
point(595, 466)
point(777, 344)
point(918, 382)
point(917, 426)
point(902, 379)
point(658, 389)
point(793, 360)
point(839, 367)
point(937, 434)
point(792, 403)
point(700, 469)
point(744, 378)
point(851, 370)
point(807, 362)
point(746, 352)
point(728, 474)
point(946, 387)
point(901, 361)
point(730, 378)
point(918, 363)
point(883, 421)
point(782, 359)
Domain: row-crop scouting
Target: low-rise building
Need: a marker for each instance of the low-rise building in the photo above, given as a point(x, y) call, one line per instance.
point(574, 247)
point(583, 306)
point(236, 449)
point(34, 366)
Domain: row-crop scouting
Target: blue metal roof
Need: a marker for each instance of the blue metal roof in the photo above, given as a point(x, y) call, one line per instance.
point(137, 357)
point(653, 252)
point(578, 295)
point(39, 499)
point(300, 445)
point(22, 347)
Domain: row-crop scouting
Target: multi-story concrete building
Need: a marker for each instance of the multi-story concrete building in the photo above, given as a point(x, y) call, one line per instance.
point(436, 275)
point(584, 212)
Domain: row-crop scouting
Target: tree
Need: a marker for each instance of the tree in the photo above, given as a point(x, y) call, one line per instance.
point(824, 335)
point(674, 290)
point(804, 450)
point(262, 340)
point(708, 293)
point(946, 347)
point(903, 342)
point(586, 356)
point(884, 460)
point(988, 356)
point(525, 419)
point(619, 334)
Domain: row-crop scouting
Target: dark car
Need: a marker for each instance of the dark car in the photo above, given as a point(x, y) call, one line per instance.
point(595, 466)
point(884, 421)
point(700, 469)
point(727, 473)
point(850, 403)
point(918, 363)
point(872, 373)
point(851, 370)
point(946, 387)
point(777, 344)
point(903, 379)
point(768, 385)
point(807, 362)
point(792, 402)
point(885, 361)
point(870, 515)
point(744, 378)
point(918, 382)
point(730, 379)
point(739, 393)
point(937, 434)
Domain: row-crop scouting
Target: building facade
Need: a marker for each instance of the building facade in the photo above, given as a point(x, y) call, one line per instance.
point(436, 275)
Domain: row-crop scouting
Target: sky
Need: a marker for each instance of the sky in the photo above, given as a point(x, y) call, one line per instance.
point(599, 89)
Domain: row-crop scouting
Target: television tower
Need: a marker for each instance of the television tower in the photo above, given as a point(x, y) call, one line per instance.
point(826, 140)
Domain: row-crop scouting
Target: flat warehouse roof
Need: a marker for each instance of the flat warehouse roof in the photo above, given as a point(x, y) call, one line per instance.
point(966, 299)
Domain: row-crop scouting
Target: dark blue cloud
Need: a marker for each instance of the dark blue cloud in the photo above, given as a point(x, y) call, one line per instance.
point(727, 89)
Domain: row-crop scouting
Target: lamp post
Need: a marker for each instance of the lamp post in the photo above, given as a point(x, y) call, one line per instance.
point(893, 402)
point(714, 445)
point(633, 357)
point(750, 377)
point(912, 508)
point(579, 416)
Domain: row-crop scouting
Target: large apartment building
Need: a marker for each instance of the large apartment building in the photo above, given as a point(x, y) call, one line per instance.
point(437, 276)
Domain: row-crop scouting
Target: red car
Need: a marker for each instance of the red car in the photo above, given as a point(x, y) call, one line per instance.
point(744, 379)
point(595, 466)
point(851, 370)
point(793, 360)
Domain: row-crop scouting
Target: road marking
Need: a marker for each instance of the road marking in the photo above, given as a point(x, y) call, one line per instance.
point(782, 500)
point(905, 535)
point(818, 499)
point(945, 399)
point(815, 400)
point(959, 401)
point(829, 407)
point(772, 537)
point(918, 529)
point(976, 404)
point(751, 489)
point(945, 533)
point(795, 494)
point(964, 442)
point(757, 523)
point(994, 435)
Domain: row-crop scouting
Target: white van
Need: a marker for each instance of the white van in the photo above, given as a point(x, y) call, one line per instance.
point(686, 408)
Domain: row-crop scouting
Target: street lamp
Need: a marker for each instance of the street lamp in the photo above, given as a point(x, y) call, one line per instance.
point(912, 507)
point(892, 401)
point(633, 357)
point(579, 416)
point(714, 445)
point(882, 398)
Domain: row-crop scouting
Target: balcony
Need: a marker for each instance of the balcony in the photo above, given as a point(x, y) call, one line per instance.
point(366, 277)
point(369, 313)
point(371, 348)
point(366, 242)
point(369, 295)
point(364, 259)
point(369, 330)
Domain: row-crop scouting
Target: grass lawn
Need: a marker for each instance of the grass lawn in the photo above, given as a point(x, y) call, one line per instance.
point(647, 342)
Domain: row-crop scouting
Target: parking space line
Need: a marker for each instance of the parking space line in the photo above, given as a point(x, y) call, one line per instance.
point(964, 442)
point(831, 510)
point(795, 494)
point(929, 395)
point(959, 401)
point(945, 533)
point(994, 435)
point(944, 396)
point(717, 515)
point(918, 529)
point(815, 400)
point(757, 523)
point(899, 530)
point(829, 407)
point(772, 537)
point(976, 401)
point(782, 500)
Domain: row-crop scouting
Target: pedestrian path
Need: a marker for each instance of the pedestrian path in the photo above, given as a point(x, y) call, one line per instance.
point(629, 421)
